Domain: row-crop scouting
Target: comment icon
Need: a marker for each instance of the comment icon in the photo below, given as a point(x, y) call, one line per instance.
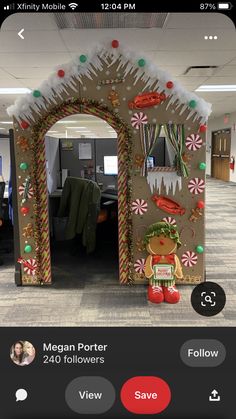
point(21, 395)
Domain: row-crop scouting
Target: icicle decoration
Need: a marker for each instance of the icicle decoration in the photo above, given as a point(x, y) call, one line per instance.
point(170, 180)
point(153, 77)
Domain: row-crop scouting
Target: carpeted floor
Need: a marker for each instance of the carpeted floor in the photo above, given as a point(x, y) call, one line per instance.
point(98, 300)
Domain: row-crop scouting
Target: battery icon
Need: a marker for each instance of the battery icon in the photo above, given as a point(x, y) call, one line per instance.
point(224, 6)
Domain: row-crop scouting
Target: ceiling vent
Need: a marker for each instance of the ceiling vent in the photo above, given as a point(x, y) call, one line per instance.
point(109, 20)
point(201, 71)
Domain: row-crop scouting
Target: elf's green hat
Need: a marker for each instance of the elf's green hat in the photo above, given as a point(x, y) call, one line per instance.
point(164, 228)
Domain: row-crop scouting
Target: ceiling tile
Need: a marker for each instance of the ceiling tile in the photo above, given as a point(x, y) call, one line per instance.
point(40, 41)
point(199, 20)
point(29, 21)
point(34, 59)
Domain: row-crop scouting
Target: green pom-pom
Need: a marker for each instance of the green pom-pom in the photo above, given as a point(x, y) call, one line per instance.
point(83, 58)
point(192, 104)
point(141, 62)
point(28, 248)
point(37, 93)
point(202, 165)
point(199, 249)
point(24, 166)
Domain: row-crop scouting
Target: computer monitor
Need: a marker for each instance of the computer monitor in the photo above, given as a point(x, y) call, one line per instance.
point(110, 165)
point(150, 162)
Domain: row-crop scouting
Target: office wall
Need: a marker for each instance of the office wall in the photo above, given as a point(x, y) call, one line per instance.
point(78, 167)
point(52, 162)
point(217, 124)
point(5, 153)
point(163, 152)
point(105, 147)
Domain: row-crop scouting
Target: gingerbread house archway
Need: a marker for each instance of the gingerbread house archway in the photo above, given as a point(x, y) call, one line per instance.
point(138, 100)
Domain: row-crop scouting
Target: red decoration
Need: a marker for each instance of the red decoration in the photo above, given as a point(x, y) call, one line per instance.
point(170, 85)
point(168, 205)
point(201, 204)
point(61, 73)
point(24, 210)
point(203, 128)
point(24, 124)
point(115, 43)
point(146, 100)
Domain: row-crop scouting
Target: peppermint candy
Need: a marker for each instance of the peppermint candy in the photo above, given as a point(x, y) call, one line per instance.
point(139, 266)
point(26, 190)
point(139, 206)
point(29, 265)
point(189, 259)
point(169, 220)
point(196, 185)
point(193, 142)
point(138, 119)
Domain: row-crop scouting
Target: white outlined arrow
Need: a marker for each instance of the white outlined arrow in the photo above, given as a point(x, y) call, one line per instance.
point(20, 34)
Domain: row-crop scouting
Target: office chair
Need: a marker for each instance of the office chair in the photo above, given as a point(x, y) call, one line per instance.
point(2, 189)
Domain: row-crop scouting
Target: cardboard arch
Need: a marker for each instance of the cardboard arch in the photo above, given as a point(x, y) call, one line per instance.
point(112, 84)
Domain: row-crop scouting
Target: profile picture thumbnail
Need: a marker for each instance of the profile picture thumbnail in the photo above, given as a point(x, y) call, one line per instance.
point(22, 353)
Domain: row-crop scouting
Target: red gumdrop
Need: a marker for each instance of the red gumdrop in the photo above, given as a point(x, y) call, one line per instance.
point(169, 84)
point(201, 204)
point(24, 210)
point(61, 73)
point(203, 128)
point(115, 43)
point(24, 124)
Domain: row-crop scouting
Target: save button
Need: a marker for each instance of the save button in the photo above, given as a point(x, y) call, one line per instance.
point(145, 395)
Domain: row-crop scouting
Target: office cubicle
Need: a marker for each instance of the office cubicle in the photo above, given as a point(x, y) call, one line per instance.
point(85, 158)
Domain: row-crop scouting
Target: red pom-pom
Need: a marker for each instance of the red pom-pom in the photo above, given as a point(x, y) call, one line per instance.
point(24, 124)
point(203, 128)
point(61, 73)
point(24, 210)
point(170, 85)
point(201, 204)
point(115, 43)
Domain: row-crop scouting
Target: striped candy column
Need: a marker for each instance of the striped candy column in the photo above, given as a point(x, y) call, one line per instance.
point(42, 193)
point(122, 212)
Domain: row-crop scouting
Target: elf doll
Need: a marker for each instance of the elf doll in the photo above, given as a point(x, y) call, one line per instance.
point(162, 266)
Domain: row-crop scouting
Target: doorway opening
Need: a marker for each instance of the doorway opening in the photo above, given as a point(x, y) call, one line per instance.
point(220, 154)
point(82, 182)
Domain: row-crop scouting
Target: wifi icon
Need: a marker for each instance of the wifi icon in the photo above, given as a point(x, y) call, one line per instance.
point(73, 6)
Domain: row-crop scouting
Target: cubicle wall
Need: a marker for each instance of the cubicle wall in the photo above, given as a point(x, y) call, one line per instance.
point(84, 158)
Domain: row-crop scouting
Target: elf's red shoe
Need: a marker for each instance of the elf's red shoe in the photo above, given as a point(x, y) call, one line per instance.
point(155, 294)
point(171, 294)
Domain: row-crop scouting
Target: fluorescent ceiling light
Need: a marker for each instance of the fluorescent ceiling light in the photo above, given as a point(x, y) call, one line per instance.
point(80, 128)
point(6, 122)
point(14, 90)
point(3, 128)
point(52, 131)
point(67, 122)
point(216, 88)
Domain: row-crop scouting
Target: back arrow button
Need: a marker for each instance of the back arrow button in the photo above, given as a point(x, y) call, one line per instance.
point(20, 34)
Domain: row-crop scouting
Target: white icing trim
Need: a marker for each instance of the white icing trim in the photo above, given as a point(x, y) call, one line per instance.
point(154, 78)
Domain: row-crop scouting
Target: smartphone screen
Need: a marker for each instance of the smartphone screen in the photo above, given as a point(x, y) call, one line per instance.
point(117, 210)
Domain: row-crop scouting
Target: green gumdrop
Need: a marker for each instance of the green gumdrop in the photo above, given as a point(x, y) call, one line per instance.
point(24, 166)
point(192, 104)
point(28, 248)
point(202, 165)
point(141, 62)
point(199, 249)
point(83, 58)
point(36, 93)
